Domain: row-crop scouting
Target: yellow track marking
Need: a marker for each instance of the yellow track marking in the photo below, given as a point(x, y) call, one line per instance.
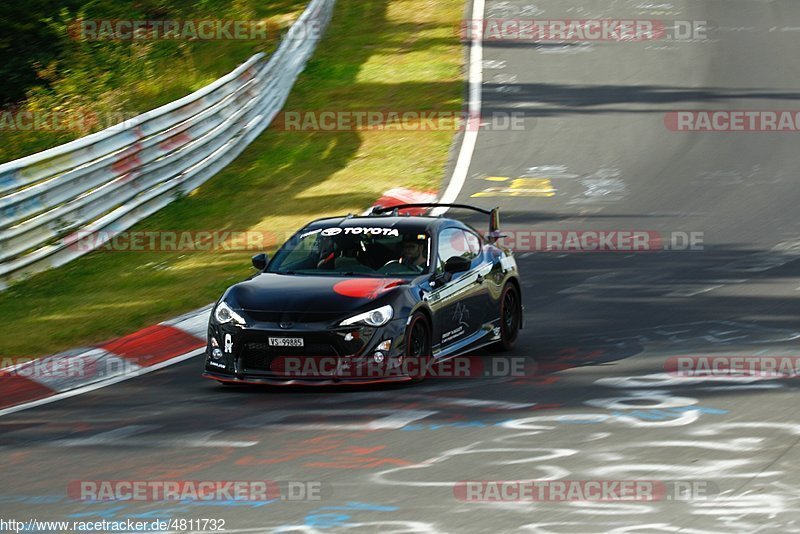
point(521, 187)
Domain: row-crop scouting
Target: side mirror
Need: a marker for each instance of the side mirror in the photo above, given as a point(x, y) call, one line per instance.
point(260, 261)
point(457, 264)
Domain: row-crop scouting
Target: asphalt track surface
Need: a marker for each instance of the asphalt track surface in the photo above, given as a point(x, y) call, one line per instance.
point(595, 402)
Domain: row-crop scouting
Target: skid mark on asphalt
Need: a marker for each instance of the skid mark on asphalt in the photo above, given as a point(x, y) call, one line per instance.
point(700, 333)
point(759, 262)
point(111, 437)
point(328, 451)
point(389, 419)
point(477, 403)
point(664, 284)
point(122, 437)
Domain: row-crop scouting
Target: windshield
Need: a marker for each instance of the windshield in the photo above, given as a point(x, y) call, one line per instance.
point(369, 251)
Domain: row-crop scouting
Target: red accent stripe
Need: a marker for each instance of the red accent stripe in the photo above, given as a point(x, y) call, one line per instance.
point(365, 287)
point(154, 345)
point(388, 202)
point(18, 389)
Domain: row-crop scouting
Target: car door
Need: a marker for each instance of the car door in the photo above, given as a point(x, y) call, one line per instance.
point(458, 302)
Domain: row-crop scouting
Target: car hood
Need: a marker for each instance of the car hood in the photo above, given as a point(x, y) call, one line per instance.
point(309, 296)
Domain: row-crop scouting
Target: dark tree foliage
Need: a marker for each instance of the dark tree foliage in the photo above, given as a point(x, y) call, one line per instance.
point(29, 41)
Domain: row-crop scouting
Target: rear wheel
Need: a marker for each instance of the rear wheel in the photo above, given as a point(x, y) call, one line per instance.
point(510, 315)
point(418, 344)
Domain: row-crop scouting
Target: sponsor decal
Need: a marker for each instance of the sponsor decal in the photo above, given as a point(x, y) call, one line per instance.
point(452, 334)
point(461, 314)
point(361, 230)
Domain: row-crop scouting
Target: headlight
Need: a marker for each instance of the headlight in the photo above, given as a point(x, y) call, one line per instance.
point(378, 317)
point(225, 314)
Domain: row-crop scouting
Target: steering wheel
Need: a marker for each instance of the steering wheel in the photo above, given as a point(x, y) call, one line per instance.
point(324, 262)
point(402, 267)
point(391, 262)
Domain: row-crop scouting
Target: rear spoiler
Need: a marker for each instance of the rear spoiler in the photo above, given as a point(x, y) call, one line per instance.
point(494, 214)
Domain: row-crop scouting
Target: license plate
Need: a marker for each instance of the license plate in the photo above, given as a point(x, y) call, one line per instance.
point(286, 342)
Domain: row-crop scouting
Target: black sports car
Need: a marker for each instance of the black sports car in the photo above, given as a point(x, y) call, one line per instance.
point(367, 298)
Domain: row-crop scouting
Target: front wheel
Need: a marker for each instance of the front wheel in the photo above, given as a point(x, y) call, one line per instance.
point(418, 344)
point(510, 316)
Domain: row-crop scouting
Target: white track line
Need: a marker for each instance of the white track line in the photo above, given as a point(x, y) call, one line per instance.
point(473, 120)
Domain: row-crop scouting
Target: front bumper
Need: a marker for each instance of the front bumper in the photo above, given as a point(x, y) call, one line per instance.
point(330, 354)
point(337, 381)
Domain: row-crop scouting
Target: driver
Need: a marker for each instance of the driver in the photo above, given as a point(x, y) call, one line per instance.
point(327, 252)
point(414, 252)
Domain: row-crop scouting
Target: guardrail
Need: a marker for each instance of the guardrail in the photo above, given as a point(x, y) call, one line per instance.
point(108, 181)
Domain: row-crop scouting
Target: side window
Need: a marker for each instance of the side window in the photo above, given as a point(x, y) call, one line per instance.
point(455, 242)
point(474, 244)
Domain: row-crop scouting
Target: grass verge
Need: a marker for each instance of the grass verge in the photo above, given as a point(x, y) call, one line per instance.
point(377, 55)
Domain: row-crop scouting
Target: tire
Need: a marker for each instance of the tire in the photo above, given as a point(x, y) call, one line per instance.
point(510, 318)
point(418, 342)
